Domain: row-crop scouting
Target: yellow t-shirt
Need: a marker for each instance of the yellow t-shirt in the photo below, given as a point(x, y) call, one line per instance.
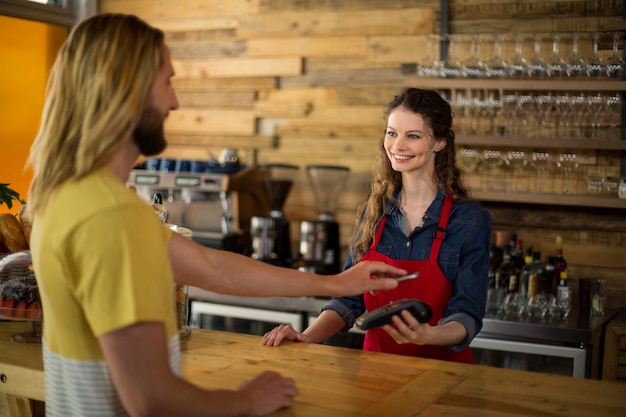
point(101, 262)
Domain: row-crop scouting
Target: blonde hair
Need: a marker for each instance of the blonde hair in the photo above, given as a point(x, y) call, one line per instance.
point(98, 87)
point(437, 113)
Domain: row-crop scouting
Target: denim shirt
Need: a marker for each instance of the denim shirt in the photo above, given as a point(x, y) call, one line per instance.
point(463, 259)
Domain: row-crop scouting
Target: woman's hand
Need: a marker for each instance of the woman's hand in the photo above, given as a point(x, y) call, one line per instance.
point(282, 332)
point(408, 330)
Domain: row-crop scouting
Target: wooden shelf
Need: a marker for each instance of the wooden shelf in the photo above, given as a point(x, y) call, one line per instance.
point(533, 142)
point(517, 85)
point(552, 199)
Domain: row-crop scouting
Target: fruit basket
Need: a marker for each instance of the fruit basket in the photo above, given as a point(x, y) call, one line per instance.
point(19, 295)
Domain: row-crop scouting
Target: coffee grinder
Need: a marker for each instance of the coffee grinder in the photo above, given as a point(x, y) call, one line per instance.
point(271, 241)
point(319, 238)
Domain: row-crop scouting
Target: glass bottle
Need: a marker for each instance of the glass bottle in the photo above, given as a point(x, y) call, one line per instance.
point(547, 278)
point(506, 275)
point(560, 264)
point(526, 274)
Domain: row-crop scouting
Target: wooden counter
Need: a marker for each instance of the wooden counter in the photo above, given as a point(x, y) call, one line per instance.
point(342, 382)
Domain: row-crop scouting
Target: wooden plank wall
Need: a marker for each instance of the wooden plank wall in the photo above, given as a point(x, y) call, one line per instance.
point(306, 82)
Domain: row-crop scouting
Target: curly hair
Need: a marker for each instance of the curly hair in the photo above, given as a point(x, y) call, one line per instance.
point(98, 87)
point(437, 113)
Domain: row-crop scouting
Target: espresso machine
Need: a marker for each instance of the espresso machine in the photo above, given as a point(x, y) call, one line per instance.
point(271, 237)
point(216, 205)
point(319, 238)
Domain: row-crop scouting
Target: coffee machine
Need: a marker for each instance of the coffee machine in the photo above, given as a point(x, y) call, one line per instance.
point(319, 238)
point(216, 204)
point(271, 236)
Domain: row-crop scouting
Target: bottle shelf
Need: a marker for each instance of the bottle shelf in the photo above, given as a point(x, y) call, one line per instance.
point(552, 199)
point(536, 142)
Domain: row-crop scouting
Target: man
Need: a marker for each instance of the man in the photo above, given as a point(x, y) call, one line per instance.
point(106, 266)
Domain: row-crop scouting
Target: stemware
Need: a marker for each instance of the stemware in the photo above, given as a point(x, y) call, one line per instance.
point(430, 65)
point(575, 65)
point(518, 67)
point(615, 63)
point(452, 66)
point(461, 111)
point(556, 64)
point(565, 115)
point(613, 104)
point(579, 110)
point(537, 66)
point(568, 164)
point(469, 162)
point(493, 160)
point(473, 67)
point(540, 160)
point(598, 117)
point(496, 67)
point(516, 160)
point(596, 67)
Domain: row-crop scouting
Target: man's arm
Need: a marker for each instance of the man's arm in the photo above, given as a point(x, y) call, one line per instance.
point(138, 360)
point(230, 273)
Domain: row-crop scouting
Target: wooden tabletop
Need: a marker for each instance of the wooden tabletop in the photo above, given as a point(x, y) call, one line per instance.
point(345, 382)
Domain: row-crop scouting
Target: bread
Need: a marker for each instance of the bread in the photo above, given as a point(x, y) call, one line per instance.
point(27, 226)
point(12, 233)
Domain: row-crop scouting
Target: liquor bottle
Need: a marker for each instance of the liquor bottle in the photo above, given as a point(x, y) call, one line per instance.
point(547, 279)
point(517, 254)
point(533, 283)
point(526, 273)
point(563, 300)
point(494, 263)
point(560, 264)
point(506, 275)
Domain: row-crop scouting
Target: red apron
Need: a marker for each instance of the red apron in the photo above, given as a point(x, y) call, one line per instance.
point(431, 286)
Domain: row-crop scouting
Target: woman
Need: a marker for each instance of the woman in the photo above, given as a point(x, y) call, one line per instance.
point(420, 217)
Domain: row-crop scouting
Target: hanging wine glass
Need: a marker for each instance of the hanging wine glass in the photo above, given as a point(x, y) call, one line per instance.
point(596, 67)
point(541, 163)
point(544, 102)
point(524, 109)
point(615, 63)
point(537, 66)
point(578, 105)
point(518, 67)
point(556, 64)
point(496, 67)
point(565, 115)
point(486, 118)
point(430, 65)
point(452, 66)
point(469, 161)
point(575, 66)
point(509, 114)
point(568, 164)
point(516, 160)
point(460, 108)
point(493, 160)
point(614, 107)
point(473, 67)
point(597, 111)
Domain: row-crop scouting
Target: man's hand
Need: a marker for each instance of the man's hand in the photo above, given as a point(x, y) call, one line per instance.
point(366, 276)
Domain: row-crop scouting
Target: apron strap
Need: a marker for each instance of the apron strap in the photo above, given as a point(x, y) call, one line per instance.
point(379, 232)
point(440, 232)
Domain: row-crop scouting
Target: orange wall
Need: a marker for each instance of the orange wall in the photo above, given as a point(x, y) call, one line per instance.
point(28, 50)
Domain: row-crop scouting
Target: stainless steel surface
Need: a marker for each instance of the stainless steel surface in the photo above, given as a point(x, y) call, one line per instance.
point(245, 313)
point(296, 304)
point(578, 355)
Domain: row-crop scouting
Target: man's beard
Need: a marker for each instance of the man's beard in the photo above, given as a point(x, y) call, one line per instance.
point(149, 135)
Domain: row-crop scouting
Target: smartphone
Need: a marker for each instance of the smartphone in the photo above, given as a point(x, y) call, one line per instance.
point(407, 277)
